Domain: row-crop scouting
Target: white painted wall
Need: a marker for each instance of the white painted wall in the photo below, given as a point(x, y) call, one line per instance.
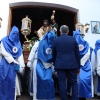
point(88, 11)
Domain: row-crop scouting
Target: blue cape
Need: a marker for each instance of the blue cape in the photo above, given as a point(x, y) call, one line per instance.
point(12, 43)
point(45, 47)
point(80, 40)
point(97, 46)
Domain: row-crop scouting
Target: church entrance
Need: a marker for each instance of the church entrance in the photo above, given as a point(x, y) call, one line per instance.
point(37, 14)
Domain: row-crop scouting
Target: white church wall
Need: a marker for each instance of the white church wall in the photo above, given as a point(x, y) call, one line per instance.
point(88, 11)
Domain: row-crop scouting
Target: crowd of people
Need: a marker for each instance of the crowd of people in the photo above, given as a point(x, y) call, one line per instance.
point(75, 64)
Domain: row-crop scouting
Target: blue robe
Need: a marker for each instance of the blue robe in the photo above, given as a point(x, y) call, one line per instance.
point(12, 46)
point(97, 47)
point(85, 76)
point(44, 88)
point(44, 75)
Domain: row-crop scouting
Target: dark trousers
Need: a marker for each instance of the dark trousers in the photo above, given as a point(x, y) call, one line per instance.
point(71, 75)
point(82, 98)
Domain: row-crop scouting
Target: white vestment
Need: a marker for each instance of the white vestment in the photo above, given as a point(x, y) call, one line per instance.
point(32, 64)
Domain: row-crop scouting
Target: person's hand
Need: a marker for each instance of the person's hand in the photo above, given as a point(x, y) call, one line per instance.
point(50, 28)
point(52, 17)
point(15, 62)
point(78, 71)
point(16, 67)
point(35, 31)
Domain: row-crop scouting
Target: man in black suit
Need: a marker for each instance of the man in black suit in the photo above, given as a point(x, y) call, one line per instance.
point(67, 62)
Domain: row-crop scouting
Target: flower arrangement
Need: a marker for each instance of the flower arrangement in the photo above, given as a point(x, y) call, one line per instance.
point(29, 44)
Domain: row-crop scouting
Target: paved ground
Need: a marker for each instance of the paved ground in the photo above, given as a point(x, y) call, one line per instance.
point(25, 97)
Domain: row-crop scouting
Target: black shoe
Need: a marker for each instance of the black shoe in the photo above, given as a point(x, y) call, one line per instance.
point(17, 98)
point(82, 98)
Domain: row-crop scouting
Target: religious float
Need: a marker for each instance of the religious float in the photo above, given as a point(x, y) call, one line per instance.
point(26, 30)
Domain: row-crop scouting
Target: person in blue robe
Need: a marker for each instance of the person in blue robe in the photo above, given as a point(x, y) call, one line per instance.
point(40, 61)
point(96, 68)
point(11, 63)
point(85, 80)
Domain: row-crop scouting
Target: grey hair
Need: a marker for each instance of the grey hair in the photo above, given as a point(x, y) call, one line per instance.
point(64, 29)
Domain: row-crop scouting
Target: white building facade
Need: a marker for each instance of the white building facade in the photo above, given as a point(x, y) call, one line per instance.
point(88, 10)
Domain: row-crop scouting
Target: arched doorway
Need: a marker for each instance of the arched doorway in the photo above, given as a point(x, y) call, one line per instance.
point(25, 6)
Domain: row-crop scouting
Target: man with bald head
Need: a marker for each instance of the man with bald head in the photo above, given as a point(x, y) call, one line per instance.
point(67, 62)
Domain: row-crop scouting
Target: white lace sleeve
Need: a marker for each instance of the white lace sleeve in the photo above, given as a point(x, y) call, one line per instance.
point(21, 63)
